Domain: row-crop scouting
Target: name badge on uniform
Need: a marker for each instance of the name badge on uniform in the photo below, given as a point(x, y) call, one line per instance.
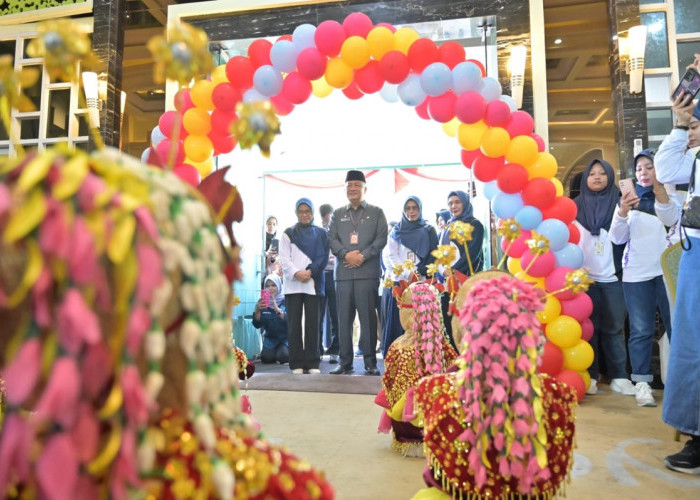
point(411, 256)
point(598, 248)
point(354, 238)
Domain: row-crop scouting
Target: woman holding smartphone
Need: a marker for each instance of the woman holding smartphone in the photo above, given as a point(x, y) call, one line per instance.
point(271, 317)
point(304, 251)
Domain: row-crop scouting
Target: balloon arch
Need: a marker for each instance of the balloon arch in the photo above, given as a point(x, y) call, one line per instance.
point(497, 142)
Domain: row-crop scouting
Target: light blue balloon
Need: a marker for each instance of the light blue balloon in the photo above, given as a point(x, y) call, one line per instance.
point(510, 102)
point(529, 217)
point(466, 76)
point(570, 256)
point(267, 80)
point(252, 95)
point(303, 36)
point(410, 91)
point(436, 79)
point(555, 231)
point(389, 92)
point(505, 205)
point(283, 55)
point(490, 190)
point(145, 155)
point(490, 89)
point(156, 136)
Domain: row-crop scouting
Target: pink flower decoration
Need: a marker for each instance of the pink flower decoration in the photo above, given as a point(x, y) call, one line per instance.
point(57, 468)
point(77, 324)
point(54, 233)
point(85, 434)
point(59, 401)
point(40, 294)
point(15, 446)
point(136, 401)
point(22, 374)
point(139, 323)
point(150, 272)
point(125, 470)
point(145, 220)
point(96, 369)
point(82, 261)
point(5, 199)
point(92, 186)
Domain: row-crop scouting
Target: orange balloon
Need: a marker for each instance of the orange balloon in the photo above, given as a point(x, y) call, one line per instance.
point(198, 148)
point(494, 142)
point(564, 332)
point(355, 52)
point(200, 93)
point(522, 150)
point(380, 41)
point(469, 134)
point(196, 121)
point(545, 166)
point(338, 74)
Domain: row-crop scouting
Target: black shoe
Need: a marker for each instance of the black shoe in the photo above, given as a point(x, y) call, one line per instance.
point(333, 359)
point(341, 370)
point(372, 371)
point(687, 460)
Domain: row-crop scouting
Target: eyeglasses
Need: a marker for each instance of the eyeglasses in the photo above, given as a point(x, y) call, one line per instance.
point(304, 212)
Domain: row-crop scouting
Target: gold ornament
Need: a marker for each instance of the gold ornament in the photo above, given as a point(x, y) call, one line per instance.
point(388, 283)
point(397, 269)
point(444, 255)
point(257, 124)
point(63, 45)
point(461, 232)
point(431, 270)
point(184, 55)
point(538, 244)
point(577, 281)
point(509, 229)
point(409, 266)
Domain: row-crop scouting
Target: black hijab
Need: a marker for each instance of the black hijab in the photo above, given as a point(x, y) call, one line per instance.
point(596, 209)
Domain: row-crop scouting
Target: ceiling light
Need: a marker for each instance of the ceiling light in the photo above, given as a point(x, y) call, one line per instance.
point(557, 41)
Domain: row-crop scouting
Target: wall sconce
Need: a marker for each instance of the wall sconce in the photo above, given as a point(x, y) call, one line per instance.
point(518, 54)
point(623, 45)
point(95, 87)
point(637, 45)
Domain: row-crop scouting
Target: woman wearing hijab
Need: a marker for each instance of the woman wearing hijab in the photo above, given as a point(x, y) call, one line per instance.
point(441, 219)
point(596, 205)
point(412, 239)
point(304, 254)
point(639, 223)
point(271, 317)
point(461, 209)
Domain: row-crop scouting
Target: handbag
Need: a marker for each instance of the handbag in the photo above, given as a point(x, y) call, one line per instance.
point(690, 215)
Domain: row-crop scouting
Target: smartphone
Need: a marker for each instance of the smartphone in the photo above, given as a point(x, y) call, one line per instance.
point(265, 296)
point(690, 84)
point(626, 185)
point(275, 245)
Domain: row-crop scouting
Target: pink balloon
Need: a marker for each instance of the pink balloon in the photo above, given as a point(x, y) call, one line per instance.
point(282, 105)
point(329, 37)
point(520, 123)
point(556, 281)
point(369, 79)
point(422, 109)
point(357, 24)
point(187, 173)
point(182, 100)
point(538, 267)
point(517, 249)
point(580, 307)
point(222, 143)
point(540, 142)
point(470, 107)
point(295, 88)
point(442, 108)
point(388, 26)
point(221, 121)
point(163, 150)
point(311, 63)
point(497, 114)
point(394, 66)
point(166, 123)
point(586, 328)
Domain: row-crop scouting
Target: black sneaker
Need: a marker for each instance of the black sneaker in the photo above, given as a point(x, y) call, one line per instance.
point(687, 460)
point(342, 370)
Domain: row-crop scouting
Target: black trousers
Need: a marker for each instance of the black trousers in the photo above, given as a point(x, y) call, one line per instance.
point(329, 316)
point(303, 345)
point(359, 295)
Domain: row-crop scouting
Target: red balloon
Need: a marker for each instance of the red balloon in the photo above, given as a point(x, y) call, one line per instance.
point(497, 114)
point(166, 123)
point(225, 97)
point(295, 88)
point(183, 101)
point(221, 121)
point(520, 123)
point(239, 71)
point(187, 173)
point(486, 168)
point(574, 380)
point(259, 54)
point(369, 79)
point(563, 209)
point(512, 178)
point(540, 142)
point(394, 66)
point(556, 280)
point(388, 26)
point(442, 108)
point(451, 53)
point(579, 308)
point(163, 150)
point(421, 53)
point(586, 326)
point(422, 109)
point(222, 143)
point(468, 156)
point(539, 265)
point(311, 63)
point(284, 37)
point(357, 24)
point(519, 245)
point(540, 193)
point(574, 234)
point(470, 107)
point(282, 106)
point(481, 66)
point(552, 360)
point(329, 37)
point(352, 92)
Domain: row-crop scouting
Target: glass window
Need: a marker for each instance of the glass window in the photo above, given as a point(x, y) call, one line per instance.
point(686, 51)
point(24, 47)
point(687, 14)
point(657, 87)
point(29, 127)
point(7, 47)
point(659, 121)
point(58, 115)
point(656, 55)
point(647, 2)
point(82, 124)
point(34, 92)
point(3, 132)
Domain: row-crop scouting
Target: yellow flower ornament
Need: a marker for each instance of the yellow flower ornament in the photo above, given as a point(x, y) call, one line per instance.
point(578, 281)
point(444, 255)
point(509, 229)
point(461, 232)
point(538, 244)
point(257, 124)
point(182, 56)
point(63, 45)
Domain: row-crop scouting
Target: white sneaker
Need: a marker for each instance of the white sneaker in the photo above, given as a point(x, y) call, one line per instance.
point(643, 394)
point(622, 386)
point(298, 371)
point(314, 371)
point(593, 388)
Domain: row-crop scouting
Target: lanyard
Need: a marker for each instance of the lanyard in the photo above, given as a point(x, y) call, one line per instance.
point(352, 220)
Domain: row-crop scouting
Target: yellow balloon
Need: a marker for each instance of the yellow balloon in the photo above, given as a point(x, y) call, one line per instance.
point(200, 93)
point(522, 150)
point(380, 41)
point(538, 282)
point(578, 357)
point(557, 186)
point(219, 75)
point(494, 142)
point(338, 74)
point(320, 88)
point(198, 147)
point(564, 332)
point(552, 309)
point(545, 166)
point(204, 168)
point(404, 37)
point(586, 377)
point(513, 266)
point(450, 128)
point(469, 134)
point(355, 52)
point(196, 121)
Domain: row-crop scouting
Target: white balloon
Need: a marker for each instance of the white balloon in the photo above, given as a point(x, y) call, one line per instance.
point(389, 92)
point(157, 136)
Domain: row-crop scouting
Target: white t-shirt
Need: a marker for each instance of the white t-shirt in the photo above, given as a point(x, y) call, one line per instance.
point(597, 255)
point(292, 260)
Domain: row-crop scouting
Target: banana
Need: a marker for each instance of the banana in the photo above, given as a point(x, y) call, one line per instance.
point(35, 263)
point(108, 453)
point(26, 217)
point(113, 403)
point(73, 173)
point(36, 170)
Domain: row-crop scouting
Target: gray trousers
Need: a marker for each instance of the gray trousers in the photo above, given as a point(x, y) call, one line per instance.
point(357, 295)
